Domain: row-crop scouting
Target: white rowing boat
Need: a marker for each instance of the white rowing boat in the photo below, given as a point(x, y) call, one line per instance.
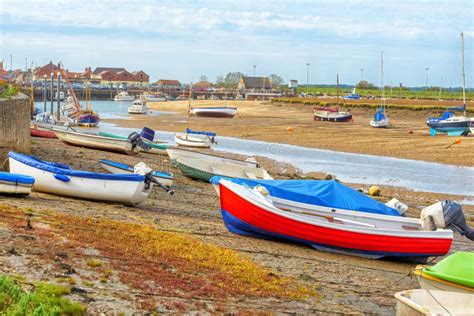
point(60, 179)
point(433, 302)
point(95, 141)
point(192, 140)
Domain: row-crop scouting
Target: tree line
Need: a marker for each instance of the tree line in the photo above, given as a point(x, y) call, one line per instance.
point(231, 79)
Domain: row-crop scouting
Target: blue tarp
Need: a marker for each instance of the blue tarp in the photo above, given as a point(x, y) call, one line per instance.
point(67, 171)
point(318, 192)
point(210, 134)
point(16, 178)
point(379, 116)
point(443, 117)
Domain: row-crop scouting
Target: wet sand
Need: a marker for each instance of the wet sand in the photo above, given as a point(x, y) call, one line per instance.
point(408, 137)
point(344, 284)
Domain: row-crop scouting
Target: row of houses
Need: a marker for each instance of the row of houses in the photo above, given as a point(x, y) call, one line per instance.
point(115, 75)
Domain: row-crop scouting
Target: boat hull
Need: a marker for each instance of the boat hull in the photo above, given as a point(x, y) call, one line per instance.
point(332, 117)
point(15, 184)
point(159, 149)
point(201, 169)
point(177, 153)
point(457, 128)
point(422, 302)
point(429, 282)
point(120, 191)
point(95, 142)
point(246, 217)
point(214, 112)
point(192, 140)
point(88, 120)
point(379, 124)
point(36, 132)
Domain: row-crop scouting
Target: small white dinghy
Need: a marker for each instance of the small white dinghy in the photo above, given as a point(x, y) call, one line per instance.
point(123, 146)
point(15, 184)
point(60, 179)
point(433, 302)
point(165, 178)
point(194, 139)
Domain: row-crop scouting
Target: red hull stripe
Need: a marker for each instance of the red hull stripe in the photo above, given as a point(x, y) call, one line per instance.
point(258, 217)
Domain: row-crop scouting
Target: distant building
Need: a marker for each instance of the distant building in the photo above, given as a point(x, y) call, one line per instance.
point(293, 84)
point(108, 75)
point(167, 84)
point(3, 72)
point(254, 83)
point(202, 86)
point(47, 69)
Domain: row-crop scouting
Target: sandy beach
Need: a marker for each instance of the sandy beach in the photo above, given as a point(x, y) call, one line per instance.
point(333, 283)
point(408, 137)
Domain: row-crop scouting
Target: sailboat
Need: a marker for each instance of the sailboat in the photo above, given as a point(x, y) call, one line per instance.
point(380, 120)
point(194, 138)
point(331, 114)
point(87, 117)
point(449, 122)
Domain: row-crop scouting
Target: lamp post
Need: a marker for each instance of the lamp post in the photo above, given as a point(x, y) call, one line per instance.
point(51, 93)
point(44, 92)
point(362, 74)
point(11, 67)
point(254, 67)
point(307, 75)
point(426, 78)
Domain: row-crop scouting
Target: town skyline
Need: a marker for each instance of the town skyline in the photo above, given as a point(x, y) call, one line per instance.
point(270, 37)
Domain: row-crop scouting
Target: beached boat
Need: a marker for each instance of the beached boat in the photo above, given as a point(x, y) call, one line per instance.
point(250, 212)
point(380, 120)
point(123, 146)
point(15, 184)
point(88, 118)
point(223, 112)
point(179, 153)
point(148, 97)
point(449, 122)
point(431, 302)
point(454, 273)
point(138, 107)
point(331, 115)
point(203, 169)
point(352, 96)
point(124, 96)
point(155, 147)
point(61, 179)
point(165, 178)
point(37, 131)
point(194, 139)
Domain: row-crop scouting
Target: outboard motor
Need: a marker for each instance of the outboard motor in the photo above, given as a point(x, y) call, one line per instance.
point(446, 214)
point(136, 140)
point(148, 134)
point(142, 169)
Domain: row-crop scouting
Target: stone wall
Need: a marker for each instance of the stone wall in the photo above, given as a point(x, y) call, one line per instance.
point(14, 126)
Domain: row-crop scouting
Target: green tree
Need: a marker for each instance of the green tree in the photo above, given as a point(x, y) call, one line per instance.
point(276, 79)
point(203, 78)
point(232, 79)
point(365, 85)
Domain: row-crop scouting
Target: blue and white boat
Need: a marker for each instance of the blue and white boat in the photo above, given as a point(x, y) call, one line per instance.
point(380, 119)
point(195, 139)
point(450, 123)
point(164, 178)
point(352, 96)
point(60, 179)
point(15, 184)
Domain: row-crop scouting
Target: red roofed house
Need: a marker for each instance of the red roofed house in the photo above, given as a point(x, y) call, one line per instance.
point(168, 84)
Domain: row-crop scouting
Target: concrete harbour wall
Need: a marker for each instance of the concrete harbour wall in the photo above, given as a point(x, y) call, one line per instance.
point(14, 126)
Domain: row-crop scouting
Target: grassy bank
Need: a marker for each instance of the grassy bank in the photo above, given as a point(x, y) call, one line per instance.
point(370, 104)
point(395, 92)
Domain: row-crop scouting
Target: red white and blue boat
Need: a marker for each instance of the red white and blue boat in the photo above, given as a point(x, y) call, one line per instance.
point(88, 118)
point(328, 216)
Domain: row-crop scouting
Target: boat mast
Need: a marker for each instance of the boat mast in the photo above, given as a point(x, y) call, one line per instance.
point(337, 91)
point(381, 80)
point(189, 107)
point(463, 74)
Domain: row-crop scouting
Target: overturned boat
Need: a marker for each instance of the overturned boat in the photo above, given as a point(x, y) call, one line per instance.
point(220, 112)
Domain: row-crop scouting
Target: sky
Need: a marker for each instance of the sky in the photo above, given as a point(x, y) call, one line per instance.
point(186, 39)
